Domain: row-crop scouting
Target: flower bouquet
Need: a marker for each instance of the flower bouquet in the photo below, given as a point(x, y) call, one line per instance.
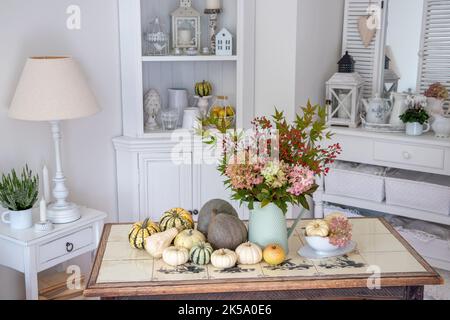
point(274, 165)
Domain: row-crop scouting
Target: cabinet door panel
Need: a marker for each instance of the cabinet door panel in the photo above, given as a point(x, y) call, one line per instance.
point(164, 183)
point(210, 186)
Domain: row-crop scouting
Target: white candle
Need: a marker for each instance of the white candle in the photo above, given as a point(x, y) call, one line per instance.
point(43, 210)
point(46, 184)
point(212, 4)
point(185, 36)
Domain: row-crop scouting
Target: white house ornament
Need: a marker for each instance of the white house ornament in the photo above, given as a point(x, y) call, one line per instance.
point(224, 43)
point(152, 107)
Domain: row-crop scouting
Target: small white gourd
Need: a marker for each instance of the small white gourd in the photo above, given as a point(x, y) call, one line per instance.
point(223, 259)
point(249, 253)
point(175, 256)
point(317, 228)
point(156, 243)
point(189, 238)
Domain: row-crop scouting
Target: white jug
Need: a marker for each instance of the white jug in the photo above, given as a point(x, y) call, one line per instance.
point(400, 105)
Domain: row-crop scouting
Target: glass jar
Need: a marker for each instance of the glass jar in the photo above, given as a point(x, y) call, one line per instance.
point(158, 40)
point(169, 119)
point(223, 111)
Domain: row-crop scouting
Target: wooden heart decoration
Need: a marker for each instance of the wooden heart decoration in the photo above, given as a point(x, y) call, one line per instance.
point(365, 32)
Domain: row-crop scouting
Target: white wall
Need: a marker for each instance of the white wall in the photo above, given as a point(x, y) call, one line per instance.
point(319, 42)
point(403, 36)
point(38, 27)
point(275, 56)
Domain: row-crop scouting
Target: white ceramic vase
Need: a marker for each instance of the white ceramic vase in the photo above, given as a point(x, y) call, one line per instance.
point(441, 126)
point(416, 129)
point(18, 220)
point(203, 105)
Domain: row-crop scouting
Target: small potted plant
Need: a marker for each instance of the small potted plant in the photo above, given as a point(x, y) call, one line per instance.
point(436, 94)
point(18, 195)
point(415, 119)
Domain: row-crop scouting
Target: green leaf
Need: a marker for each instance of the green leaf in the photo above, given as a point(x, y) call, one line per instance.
point(303, 202)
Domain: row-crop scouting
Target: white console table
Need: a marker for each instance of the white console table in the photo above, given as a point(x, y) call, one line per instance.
point(30, 252)
point(395, 150)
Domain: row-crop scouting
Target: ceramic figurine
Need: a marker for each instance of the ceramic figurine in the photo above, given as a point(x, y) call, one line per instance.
point(152, 106)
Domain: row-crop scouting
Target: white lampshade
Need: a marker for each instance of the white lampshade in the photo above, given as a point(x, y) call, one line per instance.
point(52, 88)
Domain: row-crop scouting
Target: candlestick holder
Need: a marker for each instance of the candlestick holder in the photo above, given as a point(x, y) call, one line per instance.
point(212, 27)
point(43, 226)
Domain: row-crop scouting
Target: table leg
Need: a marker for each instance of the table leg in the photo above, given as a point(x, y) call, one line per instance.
point(414, 293)
point(318, 202)
point(31, 274)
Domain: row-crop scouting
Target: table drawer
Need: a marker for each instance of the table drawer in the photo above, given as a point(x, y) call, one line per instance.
point(431, 157)
point(66, 245)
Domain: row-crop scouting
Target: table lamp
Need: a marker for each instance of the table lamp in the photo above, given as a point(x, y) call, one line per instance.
point(54, 89)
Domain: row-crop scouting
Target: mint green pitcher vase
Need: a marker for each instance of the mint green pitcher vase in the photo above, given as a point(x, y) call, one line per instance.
point(268, 226)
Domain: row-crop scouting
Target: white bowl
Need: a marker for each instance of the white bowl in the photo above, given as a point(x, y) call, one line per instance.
point(321, 244)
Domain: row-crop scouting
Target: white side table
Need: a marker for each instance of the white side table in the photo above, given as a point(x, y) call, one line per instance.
point(30, 252)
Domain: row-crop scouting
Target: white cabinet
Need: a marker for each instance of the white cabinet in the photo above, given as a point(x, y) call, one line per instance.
point(209, 185)
point(164, 183)
point(159, 173)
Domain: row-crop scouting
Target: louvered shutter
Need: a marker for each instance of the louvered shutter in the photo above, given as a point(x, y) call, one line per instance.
point(367, 59)
point(435, 45)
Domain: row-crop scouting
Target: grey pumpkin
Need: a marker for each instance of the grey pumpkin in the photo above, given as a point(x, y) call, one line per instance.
point(226, 231)
point(204, 216)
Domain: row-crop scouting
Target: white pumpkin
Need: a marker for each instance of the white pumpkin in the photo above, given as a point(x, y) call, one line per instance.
point(249, 253)
point(175, 256)
point(189, 238)
point(317, 228)
point(223, 258)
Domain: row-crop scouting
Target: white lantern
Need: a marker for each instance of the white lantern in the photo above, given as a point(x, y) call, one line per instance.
point(186, 26)
point(391, 80)
point(344, 93)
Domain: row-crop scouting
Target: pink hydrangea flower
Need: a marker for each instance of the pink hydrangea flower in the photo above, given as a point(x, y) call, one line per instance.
point(340, 231)
point(302, 179)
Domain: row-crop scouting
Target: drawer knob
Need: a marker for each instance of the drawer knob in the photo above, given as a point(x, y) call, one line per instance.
point(406, 155)
point(194, 212)
point(69, 247)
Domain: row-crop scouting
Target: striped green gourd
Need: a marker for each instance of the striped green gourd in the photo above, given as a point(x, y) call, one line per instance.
point(201, 253)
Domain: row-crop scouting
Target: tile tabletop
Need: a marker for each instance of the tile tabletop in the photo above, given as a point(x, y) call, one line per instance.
point(377, 247)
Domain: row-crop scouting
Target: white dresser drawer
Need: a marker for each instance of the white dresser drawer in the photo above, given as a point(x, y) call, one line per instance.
point(431, 157)
point(66, 245)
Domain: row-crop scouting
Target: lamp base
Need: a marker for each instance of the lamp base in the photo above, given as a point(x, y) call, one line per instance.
point(66, 214)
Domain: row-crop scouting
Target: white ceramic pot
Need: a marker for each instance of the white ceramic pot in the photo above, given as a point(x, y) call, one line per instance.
point(321, 244)
point(441, 126)
point(190, 118)
point(417, 129)
point(18, 219)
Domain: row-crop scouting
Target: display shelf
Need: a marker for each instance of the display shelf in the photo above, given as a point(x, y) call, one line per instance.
point(198, 58)
point(383, 207)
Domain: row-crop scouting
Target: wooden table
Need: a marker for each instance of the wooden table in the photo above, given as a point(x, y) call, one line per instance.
point(122, 272)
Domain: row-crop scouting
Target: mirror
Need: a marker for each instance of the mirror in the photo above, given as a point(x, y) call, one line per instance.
point(403, 38)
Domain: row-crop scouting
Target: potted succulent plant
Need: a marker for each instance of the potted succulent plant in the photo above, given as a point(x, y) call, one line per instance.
point(436, 95)
point(18, 194)
point(415, 119)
